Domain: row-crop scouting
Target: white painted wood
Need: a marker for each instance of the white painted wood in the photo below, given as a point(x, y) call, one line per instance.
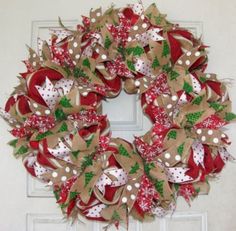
point(26, 204)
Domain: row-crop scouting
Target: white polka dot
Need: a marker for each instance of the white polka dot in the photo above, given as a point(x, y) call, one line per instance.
point(187, 62)
point(63, 178)
point(223, 135)
point(167, 164)
point(34, 64)
point(34, 55)
point(104, 57)
point(177, 157)
point(97, 50)
point(67, 169)
point(180, 62)
point(75, 44)
point(208, 75)
point(159, 160)
point(169, 106)
point(38, 113)
point(189, 53)
point(197, 53)
point(203, 138)
point(77, 56)
point(85, 93)
point(124, 199)
point(129, 39)
point(70, 51)
point(74, 63)
point(199, 131)
point(93, 20)
point(54, 174)
point(144, 25)
point(132, 197)
point(171, 113)
point(137, 83)
point(167, 155)
point(142, 17)
point(75, 172)
point(129, 187)
point(135, 28)
point(35, 105)
point(137, 185)
point(210, 132)
point(174, 97)
point(50, 183)
point(98, 14)
point(215, 140)
point(47, 112)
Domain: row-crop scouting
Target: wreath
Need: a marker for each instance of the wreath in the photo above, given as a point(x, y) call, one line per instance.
point(64, 139)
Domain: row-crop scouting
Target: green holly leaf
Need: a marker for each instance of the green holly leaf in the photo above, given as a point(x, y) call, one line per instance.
point(115, 216)
point(22, 150)
point(197, 100)
point(89, 141)
point(217, 106)
point(203, 79)
point(88, 177)
point(73, 195)
point(86, 63)
point(176, 186)
point(60, 115)
point(149, 16)
point(108, 42)
point(123, 151)
point(41, 136)
point(134, 168)
point(229, 116)
point(180, 149)
point(13, 143)
point(87, 161)
point(137, 51)
point(56, 194)
point(77, 72)
point(172, 135)
point(63, 128)
point(192, 118)
point(158, 19)
point(155, 63)
point(173, 75)
point(148, 167)
point(166, 68)
point(64, 102)
point(75, 154)
point(187, 87)
point(166, 49)
point(159, 185)
point(130, 65)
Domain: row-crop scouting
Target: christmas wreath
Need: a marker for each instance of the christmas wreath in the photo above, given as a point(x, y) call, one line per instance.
point(64, 139)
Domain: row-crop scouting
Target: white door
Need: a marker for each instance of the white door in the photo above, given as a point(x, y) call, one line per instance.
point(26, 204)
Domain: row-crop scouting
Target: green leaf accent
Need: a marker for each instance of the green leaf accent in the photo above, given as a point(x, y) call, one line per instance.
point(192, 118)
point(67, 70)
point(13, 143)
point(22, 150)
point(176, 186)
point(217, 106)
point(172, 135)
point(121, 50)
point(229, 116)
point(149, 16)
point(173, 75)
point(88, 177)
point(166, 49)
point(86, 63)
point(187, 87)
point(155, 63)
point(166, 68)
point(115, 216)
point(197, 100)
point(197, 190)
point(203, 79)
point(87, 161)
point(63, 127)
point(64, 102)
point(89, 141)
point(60, 115)
point(75, 153)
point(137, 51)
point(159, 185)
point(148, 167)
point(134, 168)
point(158, 19)
point(108, 42)
point(56, 194)
point(43, 135)
point(123, 151)
point(73, 195)
point(130, 65)
point(180, 149)
point(77, 72)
